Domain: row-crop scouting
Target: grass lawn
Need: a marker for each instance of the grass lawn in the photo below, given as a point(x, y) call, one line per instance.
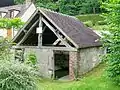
point(95, 19)
point(100, 27)
point(93, 80)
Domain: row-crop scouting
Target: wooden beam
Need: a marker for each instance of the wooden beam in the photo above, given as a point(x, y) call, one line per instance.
point(25, 31)
point(54, 31)
point(56, 42)
point(28, 32)
point(19, 32)
point(59, 48)
point(44, 28)
point(40, 34)
point(45, 47)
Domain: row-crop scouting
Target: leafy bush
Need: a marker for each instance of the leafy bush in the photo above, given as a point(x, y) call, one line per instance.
point(4, 49)
point(88, 23)
point(31, 58)
point(16, 76)
point(112, 40)
point(11, 23)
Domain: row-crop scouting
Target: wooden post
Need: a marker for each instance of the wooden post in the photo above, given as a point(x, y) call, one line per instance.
point(9, 33)
point(40, 34)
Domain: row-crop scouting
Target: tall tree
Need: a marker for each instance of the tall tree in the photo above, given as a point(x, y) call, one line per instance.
point(71, 7)
point(91, 6)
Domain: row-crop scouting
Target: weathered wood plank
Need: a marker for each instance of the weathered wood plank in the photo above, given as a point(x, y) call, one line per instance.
point(19, 32)
point(27, 33)
point(40, 34)
point(47, 47)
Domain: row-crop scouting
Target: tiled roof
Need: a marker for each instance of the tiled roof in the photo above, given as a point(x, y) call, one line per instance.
point(73, 28)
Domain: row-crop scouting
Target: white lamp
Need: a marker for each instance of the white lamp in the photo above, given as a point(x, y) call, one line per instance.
point(39, 30)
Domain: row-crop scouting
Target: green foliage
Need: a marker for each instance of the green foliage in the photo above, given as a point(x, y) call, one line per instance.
point(19, 1)
point(102, 23)
point(16, 76)
point(112, 40)
point(88, 24)
point(49, 4)
point(4, 50)
point(31, 59)
point(75, 7)
point(90, 6)
point(10, 23)
point(70, 7)
point(100, 27)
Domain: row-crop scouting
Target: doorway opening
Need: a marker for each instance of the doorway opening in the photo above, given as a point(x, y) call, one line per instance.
point(61, 62)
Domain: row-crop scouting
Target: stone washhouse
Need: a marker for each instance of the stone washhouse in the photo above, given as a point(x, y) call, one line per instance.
point(62, 44)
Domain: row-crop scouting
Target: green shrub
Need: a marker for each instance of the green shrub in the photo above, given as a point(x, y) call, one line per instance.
point(88, 24)
point(16, 76)
point(31, 59)
point(5, 49)
point(112, 40)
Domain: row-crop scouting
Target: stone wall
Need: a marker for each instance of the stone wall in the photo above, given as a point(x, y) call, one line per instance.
point(44, 59)
point(80, 61)
point(89, 58)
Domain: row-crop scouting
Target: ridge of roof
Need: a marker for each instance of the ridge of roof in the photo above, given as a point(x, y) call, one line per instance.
point(41, 8)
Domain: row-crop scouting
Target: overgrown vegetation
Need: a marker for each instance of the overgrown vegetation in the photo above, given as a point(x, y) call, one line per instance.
point(31, 58)
point(112, 40)
point(4, 49)
point(14, 75)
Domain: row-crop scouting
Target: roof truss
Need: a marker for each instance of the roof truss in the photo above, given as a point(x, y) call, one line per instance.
point(56, 33)
point(62, 39)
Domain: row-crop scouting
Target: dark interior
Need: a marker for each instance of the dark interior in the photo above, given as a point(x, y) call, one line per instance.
point(48, 37)
point(61, 64)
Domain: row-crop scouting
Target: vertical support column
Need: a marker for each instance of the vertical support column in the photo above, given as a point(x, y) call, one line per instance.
point(9, 33)
point(40, 34)
point(73, 65)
